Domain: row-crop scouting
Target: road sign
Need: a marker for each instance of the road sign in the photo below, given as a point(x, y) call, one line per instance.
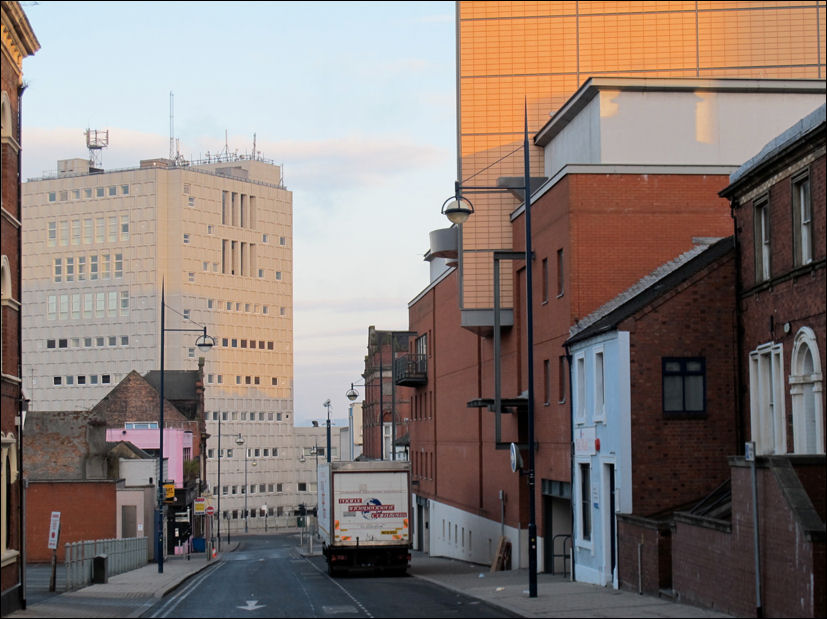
point(200, 504)
point(210, 510)
point(54, 530)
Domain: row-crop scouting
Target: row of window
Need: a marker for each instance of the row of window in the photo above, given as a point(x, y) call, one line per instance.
point(802, 216)
point(87, 305)
point(105, 266)
point(243, 416)
point(89, 342)
point(256, 452)
point(218, 379)
point(237, 306)
point(87, 231)
point(82, 379)
point(88, 193)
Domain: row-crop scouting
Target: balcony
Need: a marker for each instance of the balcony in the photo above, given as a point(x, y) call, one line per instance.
point(411, 370)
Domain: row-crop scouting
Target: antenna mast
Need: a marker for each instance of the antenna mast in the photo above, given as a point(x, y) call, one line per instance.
point(96, 141)
point(171, 126)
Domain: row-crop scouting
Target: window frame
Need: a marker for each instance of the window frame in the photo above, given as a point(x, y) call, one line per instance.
point(684, 373)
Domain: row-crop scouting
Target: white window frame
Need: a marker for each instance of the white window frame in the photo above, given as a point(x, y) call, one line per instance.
point(580, 388)
point(580, 541)
point(806, 394)
point(767, 401)
point(599, 384)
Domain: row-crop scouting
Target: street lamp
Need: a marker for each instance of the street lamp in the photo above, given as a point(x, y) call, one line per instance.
point(204, 343)
point(240, 442)
point(351, 395)
point(458, 209)
point(327, 405)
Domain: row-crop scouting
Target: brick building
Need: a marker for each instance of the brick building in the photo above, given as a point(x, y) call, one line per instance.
point(652, 399)
point(386, 405)
point(18, 42)
point(778, 205)
point(611, 209)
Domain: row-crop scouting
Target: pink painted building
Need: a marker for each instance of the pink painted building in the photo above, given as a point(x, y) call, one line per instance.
point(177, 445)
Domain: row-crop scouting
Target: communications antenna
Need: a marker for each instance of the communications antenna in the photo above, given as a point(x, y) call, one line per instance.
point(96, 141)
point(171, 126)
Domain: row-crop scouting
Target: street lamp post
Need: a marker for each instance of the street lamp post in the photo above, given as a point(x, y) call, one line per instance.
point(458, 209)
point(327, 405)
point(240, 442)
point(204, 343)
point(352, 395)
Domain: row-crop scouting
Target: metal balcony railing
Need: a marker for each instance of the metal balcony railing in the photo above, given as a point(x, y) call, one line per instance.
point(411, 370)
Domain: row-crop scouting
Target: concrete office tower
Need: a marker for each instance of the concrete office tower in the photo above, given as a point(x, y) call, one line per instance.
point(218, 235)
point(539, 53)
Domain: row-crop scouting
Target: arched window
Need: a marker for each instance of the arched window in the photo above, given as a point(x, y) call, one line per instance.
point(806, 391)
point(5, 116)
point(5, 279)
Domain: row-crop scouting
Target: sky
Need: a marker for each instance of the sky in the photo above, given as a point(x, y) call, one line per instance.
point(355, 99)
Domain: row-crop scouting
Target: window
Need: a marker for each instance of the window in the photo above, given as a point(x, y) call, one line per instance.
point(684, 385)
point(302, 486)
point(52, 198)
point(802, 221)
point(100, 227)
point(99, 192)
point(113, 190)
point(58, 270)
point(186, 237)
point(125, 190)
point(124, 227)
point(113, 228)
point(93, 267)
point(762, 240)
point(585, 519)
point(278, 275)
point(546, 381)
point(113, 303)
point(57, 380)
point(52, 309)
point(561, 379)
point(52, 233)
point(118, 266)
point(599, 387)
point(124, 302)
point(76, 232)
point(81, 268)
point(87, 308)
point(70, 269)
point(545, 280)
point(560, 273)
point(580, 383)
point(106, 266)
point(806, 387)
point(88, 231)
point(50, 343)
point(766, 386)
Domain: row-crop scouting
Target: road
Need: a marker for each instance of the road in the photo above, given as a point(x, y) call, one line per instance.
point(266, 577)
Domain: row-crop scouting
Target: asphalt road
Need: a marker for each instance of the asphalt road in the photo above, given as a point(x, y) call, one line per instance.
point(266, 577)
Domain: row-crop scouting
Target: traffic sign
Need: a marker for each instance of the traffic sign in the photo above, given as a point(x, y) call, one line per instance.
point(210, 510)
point(200, 504)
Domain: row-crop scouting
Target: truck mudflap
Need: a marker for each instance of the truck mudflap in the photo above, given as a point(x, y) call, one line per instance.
point(344, 559)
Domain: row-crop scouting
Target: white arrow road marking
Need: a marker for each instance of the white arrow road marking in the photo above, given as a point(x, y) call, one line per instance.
point(251, 605)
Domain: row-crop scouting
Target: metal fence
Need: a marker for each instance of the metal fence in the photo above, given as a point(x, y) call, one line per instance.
point(122, 555)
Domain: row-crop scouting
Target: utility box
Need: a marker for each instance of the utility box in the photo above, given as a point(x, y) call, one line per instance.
point(99, 565)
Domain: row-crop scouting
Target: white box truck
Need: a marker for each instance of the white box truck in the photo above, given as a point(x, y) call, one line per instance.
point(364, 515)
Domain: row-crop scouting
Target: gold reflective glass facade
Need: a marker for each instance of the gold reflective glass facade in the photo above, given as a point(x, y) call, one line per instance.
point(540, 53)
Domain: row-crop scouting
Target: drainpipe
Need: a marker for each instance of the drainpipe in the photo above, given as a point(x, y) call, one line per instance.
point(571, 466)
point(21, 480)
point(739, 336)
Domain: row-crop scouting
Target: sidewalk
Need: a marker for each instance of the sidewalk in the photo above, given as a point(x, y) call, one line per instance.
point(556, 596)
point(126, 595)
point(133, 593)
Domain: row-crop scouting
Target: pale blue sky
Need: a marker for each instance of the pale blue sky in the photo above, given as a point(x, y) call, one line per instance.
point(356, 99)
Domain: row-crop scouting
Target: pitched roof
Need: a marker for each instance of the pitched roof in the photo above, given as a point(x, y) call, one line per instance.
point(658, 282)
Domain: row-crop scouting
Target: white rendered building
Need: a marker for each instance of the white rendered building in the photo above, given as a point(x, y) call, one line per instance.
point(218, 235)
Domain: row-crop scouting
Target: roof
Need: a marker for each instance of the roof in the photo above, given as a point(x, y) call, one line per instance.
point(809, 124)
point(658, 282)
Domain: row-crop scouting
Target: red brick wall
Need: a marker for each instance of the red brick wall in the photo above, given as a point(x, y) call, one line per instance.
point(716, 569)
point(87, 512)
point(650, 567)
point(675, 460)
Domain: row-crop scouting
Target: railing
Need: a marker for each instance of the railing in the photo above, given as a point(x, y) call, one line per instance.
point(411, 370)
point(122, 555)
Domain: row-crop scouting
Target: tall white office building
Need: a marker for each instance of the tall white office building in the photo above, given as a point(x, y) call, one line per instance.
point(99, 245)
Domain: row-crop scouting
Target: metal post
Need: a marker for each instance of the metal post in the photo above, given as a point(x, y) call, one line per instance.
point(393, 395)
point(381, 404)
point(327, 404)
point(246, 487)
point(159, 518)
point(219, 482)
point(532, 524)
point(750, 457)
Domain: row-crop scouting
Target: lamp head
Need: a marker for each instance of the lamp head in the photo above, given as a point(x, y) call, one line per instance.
point(352, 394)
point(457, 209)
